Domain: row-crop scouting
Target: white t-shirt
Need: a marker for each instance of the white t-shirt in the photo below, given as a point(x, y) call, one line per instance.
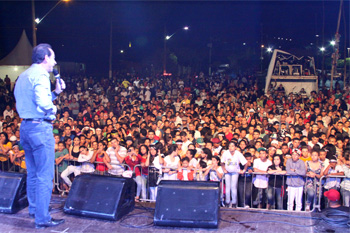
point(193, 163)
point(333, 182)
point(213, 175)
point(86, 166)
point(147, 95)
point(173, 164)
point(117, 169)
point(232, 161)
point(261, 181)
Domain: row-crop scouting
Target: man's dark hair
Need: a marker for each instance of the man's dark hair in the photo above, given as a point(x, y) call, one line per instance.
point(39, 53)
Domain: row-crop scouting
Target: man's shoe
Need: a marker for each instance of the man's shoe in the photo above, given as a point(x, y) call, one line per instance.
point(53, 222)
point(33, 215)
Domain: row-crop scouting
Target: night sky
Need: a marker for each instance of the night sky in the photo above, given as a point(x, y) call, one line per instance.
point(79, 30)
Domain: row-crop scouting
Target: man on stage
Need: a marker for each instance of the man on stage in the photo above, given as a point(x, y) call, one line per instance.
point(34, 105)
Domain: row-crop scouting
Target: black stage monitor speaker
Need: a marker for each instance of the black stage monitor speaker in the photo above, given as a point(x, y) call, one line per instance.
point(105, 197)
point(187, 204)
point(13, 194)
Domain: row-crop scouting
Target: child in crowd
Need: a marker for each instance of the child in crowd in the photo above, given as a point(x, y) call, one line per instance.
point(185, 173)
point(17, 158)
point(60, 160)
point(200, 171)
point(245, 182)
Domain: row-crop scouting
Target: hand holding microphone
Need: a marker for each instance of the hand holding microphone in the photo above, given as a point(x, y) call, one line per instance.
point(60, 84)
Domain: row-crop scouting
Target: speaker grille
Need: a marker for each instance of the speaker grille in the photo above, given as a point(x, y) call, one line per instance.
point(187, 204)
point(13, 192)
point(105, 197)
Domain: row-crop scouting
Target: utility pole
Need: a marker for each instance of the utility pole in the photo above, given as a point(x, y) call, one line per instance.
point(210, 46)
point(110, 49)
point(335, 55)
point(33, 24)
point(164, 55)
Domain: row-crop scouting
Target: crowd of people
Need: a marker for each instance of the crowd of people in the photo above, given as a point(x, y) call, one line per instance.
point(268, 150)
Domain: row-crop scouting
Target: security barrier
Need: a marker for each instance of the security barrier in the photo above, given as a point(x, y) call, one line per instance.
point(322, 203)
point(248, 195)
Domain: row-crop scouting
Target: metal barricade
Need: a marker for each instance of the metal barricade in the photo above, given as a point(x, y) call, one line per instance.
point(58, 180)
point(323, 180)
point(18, 164)
point(255, 197)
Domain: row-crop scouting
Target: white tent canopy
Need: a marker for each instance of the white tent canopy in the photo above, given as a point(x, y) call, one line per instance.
point(21, 55)
point(18, 60)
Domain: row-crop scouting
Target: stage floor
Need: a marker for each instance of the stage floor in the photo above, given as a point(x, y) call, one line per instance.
point(141, 220)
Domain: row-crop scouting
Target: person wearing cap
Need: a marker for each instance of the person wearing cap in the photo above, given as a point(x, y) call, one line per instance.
point(333, 169)
point(260, 182)
point(216, 146)
point(231, 159)
point(296, 171)
point(333, 197)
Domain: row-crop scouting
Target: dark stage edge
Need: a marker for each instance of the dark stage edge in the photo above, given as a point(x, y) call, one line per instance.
point(21, 222)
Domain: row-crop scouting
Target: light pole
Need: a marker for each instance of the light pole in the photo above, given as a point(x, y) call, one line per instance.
point(168, 37)
point(261, 57)
point(36, 21)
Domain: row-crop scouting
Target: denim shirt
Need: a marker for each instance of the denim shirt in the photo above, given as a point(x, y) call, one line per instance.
point(33, 94)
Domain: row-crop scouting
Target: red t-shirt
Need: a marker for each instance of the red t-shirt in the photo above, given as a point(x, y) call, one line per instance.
point(132, 164)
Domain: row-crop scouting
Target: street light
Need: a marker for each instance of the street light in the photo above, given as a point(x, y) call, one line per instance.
point(167, 37)
point(332, 42)
point(36, 21)
point(269, 50)
point(186, 28)
point(322, 49)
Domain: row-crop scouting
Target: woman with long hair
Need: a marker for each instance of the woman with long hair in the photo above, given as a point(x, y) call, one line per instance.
point(133, 160)
point(100, 157)
point(313, 174)
point(171, 163)
point(5, 147)
point(154, 163)
point(74, 165)
point(276, 185)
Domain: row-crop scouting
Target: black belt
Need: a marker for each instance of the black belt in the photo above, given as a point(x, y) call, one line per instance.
point(37, 119)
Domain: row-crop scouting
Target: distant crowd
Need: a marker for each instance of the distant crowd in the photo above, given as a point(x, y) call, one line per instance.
point(268, 150)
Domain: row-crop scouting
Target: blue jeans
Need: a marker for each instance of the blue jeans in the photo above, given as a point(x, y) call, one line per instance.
point(39, 146)
point(310, 190)
point(244, 191)
point(141, 186)
point(275, 194)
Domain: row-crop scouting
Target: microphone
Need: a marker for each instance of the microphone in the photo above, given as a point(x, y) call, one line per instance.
point(57, 76)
